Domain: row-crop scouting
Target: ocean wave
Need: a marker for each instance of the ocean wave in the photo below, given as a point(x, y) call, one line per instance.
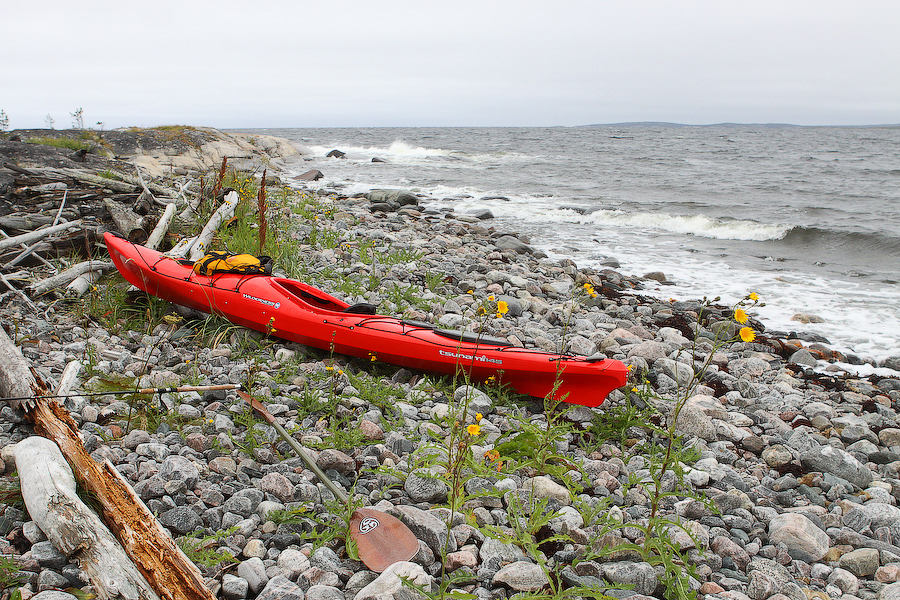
point(698, 225)
point(858, 243)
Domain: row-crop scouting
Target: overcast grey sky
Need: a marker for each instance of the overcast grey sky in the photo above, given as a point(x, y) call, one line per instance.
point(234, 63)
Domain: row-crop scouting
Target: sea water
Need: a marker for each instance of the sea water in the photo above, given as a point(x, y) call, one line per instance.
point(806, 217)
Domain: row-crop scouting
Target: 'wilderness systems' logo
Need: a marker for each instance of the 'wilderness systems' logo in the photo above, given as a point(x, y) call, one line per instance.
point(460, 355)
point(262, 301)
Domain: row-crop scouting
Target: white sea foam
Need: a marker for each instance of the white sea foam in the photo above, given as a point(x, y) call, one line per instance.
point(857, 317)
point(398, 150)
point(549, 211)
point(699, 225)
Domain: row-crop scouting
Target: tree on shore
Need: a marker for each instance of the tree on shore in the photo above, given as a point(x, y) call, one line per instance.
point(78, 117)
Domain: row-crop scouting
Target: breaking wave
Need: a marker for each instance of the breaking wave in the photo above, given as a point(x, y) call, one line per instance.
point(698, 225)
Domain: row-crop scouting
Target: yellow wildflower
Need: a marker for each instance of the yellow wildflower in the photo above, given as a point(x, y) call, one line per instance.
point(747, 334)
point(753, 296)
point(490, 298)
point(473, 429)
point(740, 315)
point(478, 417)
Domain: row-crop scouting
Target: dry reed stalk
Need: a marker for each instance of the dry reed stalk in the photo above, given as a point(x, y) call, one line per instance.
point(261, 203)
point(220, 178)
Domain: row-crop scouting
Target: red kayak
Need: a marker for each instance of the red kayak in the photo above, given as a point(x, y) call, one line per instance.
point(295, 311)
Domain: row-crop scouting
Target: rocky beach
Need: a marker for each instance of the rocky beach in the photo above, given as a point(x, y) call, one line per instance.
point(785, 486)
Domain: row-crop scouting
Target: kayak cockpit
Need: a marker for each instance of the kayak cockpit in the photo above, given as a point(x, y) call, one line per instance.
point(310, 296)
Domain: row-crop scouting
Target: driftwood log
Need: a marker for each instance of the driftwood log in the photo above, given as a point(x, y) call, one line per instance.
point(81, 284)
point(33, 236)
point(67, 276)
point(17, 380)
point(159, 232)
point(96, 180)
point(193, 204)
point(48, 489)
point(130, 224)
point(157, 189)
point(222, 214)
point(170, 573)
point(147, 194)
point(17, 224)
point(194, 248)
point(190, 210)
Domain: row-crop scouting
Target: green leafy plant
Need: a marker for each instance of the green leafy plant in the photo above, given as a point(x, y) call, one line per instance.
point(617, 422)
point(532, 444)
point(663, 479)
point(205, 551)
point(342, 434)
point(529, 529)
point(253, 435)
point(11, 574)
point(323, 528)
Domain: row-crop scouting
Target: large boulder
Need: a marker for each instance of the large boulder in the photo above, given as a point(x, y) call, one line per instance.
point(393, 198)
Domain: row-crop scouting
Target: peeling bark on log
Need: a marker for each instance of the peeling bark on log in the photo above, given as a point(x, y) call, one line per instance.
point(48, 489)
point(170, 573)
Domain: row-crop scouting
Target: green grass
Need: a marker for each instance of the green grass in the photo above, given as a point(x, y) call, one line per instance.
point(11, 574)
point(62, 142)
